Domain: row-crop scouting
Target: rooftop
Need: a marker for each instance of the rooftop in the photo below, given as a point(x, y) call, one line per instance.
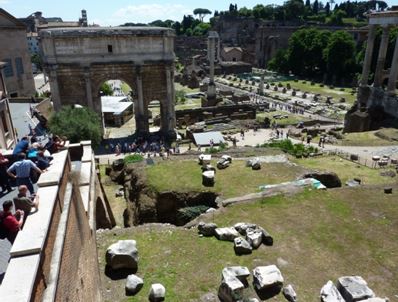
point(111, 31)
point(115, 104)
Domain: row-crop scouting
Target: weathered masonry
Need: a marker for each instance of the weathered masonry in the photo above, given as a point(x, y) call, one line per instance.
point(377, 106)
point(79, 60)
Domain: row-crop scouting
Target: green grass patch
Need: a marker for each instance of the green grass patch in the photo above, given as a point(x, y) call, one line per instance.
point(336, 92)
point(345, 169)
point(236, 180)
point(133, 158)
point(321, 235)
point(292, 119)
point(383, 137)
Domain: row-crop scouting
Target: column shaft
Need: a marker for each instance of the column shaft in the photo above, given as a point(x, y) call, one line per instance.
point(392, 80)
point(171, 118)
point(381, 60)
point(89, 93)
point(368, 55)
point(55, 96)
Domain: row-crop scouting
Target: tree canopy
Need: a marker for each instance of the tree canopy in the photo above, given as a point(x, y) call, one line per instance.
point(201, 12)
point(315, 53)
point(106, 89)
point(77, 124)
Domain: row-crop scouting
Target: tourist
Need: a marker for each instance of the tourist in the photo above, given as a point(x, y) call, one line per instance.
point(117, 149)
point(21, 170)
point(242, 134)
point(22, 146)
point(11, 223)
point(42, 162)
point(24, 202)
point(58, 144)
point(4, 183)
point(309, 138)
point(199, 147)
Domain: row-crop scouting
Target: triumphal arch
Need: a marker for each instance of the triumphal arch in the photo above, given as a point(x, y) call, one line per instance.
point(79, 60)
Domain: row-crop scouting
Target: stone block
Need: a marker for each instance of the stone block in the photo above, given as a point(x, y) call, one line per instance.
point(242, 247)
point(157, 293)
point(267, 278)
point(207, 229)
point(354, 288)
point(254, 237)
point(122, 255)
point(289, 293)
point(226, 234)
point(329, 293)
point(133, 284)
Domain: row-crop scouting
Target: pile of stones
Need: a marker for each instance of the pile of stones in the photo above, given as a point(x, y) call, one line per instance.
point(267, 282)
point(224, 162)
point(349, 289)
point(245, 236)
point(123, 255)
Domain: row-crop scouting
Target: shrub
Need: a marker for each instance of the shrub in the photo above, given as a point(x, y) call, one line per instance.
point(185, 215)
point(77, 124)
point(133, 158)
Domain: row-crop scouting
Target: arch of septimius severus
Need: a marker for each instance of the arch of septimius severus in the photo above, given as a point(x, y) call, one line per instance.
point(79, 60)
point(374, 103)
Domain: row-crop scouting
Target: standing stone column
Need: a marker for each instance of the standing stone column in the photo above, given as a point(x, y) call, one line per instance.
point(89, 93)
point(392, 80)
point(261, 86)
point(53, 79)
point(141, 117)
point(170, 113)
point(368, 55)
point(381, 60)
point(211, 52)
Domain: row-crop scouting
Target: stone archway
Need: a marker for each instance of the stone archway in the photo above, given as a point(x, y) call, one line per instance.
point(79, 60)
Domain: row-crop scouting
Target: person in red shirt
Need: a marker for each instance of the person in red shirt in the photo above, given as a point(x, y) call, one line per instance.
point(10, 222)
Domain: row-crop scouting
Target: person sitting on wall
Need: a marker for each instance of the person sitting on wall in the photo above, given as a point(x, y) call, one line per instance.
point(42, 162)
point(24, 202)
point(12, 223)
point(22, 146)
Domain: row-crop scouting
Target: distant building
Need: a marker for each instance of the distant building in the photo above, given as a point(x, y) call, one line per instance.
point(7, 132)
point(14, 52)
point(35, 22)
point(232, 54)
point(116, 110)
point(33, 43)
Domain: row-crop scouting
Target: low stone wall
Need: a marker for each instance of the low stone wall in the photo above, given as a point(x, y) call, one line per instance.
point(54, 257)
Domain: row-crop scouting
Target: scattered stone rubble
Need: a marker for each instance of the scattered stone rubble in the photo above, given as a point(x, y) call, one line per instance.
point(133, 284)
point(122, 255)
point(349, 289)
point(267, 278)
point(245, 236)
point(289, 293)
point(157, 293)
point(255, 164)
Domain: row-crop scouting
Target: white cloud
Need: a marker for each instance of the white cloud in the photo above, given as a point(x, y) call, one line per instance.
point(145, 13)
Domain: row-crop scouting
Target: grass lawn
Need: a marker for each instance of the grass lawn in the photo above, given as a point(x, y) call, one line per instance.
point(186, 89)
point(345, 169)
point(189, 104)
point(293, 119)
point(386, 137)
point(236, 180)
point(325, 91)
point(319, 235)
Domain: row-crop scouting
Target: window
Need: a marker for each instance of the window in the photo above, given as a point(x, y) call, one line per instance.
point(8, 71)
point(110, 50)
point(19, 66)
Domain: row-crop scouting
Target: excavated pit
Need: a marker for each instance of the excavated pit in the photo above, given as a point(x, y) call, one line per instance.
point(145, 205)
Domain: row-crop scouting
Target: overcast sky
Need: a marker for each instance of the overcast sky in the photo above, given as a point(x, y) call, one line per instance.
point(117, 12)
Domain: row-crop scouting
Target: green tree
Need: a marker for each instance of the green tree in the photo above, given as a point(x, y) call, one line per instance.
point(106, 89)
point(339, 55)
point(280, 62)
point(337, 17)
point(201, 29)
point(294, 9)
point(77, 124)
point(36, 59)
point(201, 12)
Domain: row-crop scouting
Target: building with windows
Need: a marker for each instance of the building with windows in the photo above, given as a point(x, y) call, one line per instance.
point(7, 132)
point(33, 43)
point(14, 52)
